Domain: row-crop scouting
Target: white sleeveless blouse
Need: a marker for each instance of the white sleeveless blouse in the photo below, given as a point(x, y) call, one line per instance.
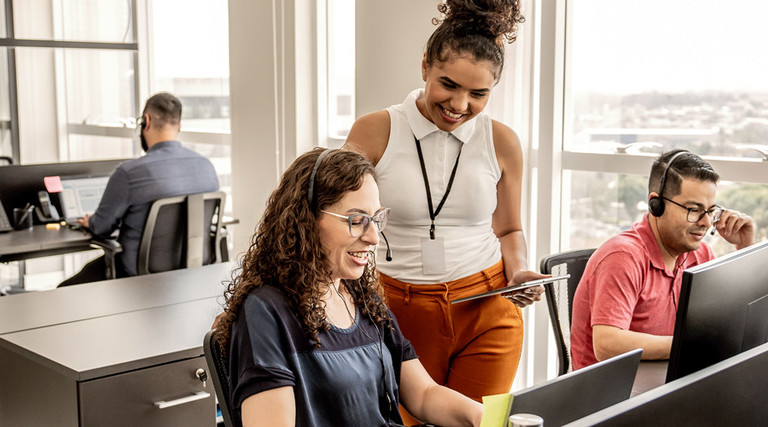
point(464, 221)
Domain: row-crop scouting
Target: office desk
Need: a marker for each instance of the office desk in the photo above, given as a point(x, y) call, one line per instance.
point(37, 242)
point(73, 303)
point(108, 353)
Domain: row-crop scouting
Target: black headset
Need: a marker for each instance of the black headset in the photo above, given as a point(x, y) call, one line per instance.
point(656, 203)
point(312, 201)
point(311, 190)
point(388, 401)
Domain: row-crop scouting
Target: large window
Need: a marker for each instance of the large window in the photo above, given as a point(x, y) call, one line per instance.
point(190, 58)
point(74, 75)
point(69, 75)
point(645, 77)
point(336, 70)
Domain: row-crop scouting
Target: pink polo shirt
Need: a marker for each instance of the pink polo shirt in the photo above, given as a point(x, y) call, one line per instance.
point(627, 285)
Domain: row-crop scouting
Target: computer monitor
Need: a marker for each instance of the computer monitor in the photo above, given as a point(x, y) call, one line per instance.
point(81, 195)
point(20, 184)
point(723, 310)
point(580, 393)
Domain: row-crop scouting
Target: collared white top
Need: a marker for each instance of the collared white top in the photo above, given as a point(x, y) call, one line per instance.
point(465, 220)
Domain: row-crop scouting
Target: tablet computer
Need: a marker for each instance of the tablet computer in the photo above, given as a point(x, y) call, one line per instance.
point(537, 282)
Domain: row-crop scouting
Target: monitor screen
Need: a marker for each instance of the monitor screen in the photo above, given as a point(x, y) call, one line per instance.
point(81, 195)
point(580, 393)
point(723, 310)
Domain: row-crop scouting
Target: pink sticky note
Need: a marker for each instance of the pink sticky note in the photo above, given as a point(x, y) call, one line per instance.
point(53, 184)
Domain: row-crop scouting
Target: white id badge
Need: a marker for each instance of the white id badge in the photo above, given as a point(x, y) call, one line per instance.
point(432, 255)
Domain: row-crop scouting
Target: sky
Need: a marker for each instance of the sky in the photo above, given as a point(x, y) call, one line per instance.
point(668, 45)
point(191, 38)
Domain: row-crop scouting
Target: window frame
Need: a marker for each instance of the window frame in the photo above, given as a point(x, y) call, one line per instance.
point(549, 160)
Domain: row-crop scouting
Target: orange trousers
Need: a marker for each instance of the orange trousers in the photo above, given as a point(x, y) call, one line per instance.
point(472, 347)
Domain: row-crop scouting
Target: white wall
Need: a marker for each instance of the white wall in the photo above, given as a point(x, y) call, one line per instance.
point(254, 116)
point(389, 44)
point(272, 91)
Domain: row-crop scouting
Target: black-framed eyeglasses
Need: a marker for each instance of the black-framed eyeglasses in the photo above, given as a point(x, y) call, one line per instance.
point(696, 214)
point(359, 222)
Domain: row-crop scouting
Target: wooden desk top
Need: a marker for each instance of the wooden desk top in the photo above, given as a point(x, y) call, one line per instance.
point(91, 300)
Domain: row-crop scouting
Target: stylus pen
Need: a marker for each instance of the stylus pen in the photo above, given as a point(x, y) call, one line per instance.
point(27, 210)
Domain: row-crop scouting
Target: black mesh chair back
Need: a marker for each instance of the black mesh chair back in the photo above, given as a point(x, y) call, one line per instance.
point(181, 232)
point(560, 298)
point(218, 365)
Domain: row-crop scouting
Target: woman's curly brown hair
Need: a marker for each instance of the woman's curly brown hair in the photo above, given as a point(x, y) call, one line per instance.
point(474, 28)
point(286, 250)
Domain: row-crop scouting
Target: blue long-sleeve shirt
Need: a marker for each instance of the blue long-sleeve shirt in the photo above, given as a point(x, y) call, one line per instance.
point(167, 170)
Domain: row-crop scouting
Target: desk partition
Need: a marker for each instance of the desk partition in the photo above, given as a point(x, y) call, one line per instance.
point(22, 182)
point(731, 392)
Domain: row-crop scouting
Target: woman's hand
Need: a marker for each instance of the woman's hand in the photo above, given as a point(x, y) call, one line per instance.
point(527, 296)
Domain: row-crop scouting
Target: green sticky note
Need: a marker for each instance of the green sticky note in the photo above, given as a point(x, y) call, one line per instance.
point(496, 410)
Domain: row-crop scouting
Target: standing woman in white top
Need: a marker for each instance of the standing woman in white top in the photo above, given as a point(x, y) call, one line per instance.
point(452, 177)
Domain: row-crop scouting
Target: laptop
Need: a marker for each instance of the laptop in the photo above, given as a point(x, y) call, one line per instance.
point(80, 195)
point(580, 393)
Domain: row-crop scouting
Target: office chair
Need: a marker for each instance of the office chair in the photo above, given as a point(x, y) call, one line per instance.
point(180, 232)
point(560, 298)
point(219, 366)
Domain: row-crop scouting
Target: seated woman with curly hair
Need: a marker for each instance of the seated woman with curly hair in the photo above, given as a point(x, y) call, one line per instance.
point(309, 339)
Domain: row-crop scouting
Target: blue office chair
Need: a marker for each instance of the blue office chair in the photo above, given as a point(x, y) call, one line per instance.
point(560, 298)
point(218, 364)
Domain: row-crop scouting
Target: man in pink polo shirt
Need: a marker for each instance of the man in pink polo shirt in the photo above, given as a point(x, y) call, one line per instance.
point(627, 297)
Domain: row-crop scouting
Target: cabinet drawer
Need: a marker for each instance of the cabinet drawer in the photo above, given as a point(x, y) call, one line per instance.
point(133, 398)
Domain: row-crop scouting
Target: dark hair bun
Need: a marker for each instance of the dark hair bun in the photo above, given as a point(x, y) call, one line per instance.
point(492, 18)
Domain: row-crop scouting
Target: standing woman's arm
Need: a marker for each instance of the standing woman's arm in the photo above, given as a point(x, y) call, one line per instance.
point(369, 136)
point(507, 222)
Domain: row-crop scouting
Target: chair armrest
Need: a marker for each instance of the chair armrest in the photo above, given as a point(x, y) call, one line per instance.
point(111, 247)
point(107, 245)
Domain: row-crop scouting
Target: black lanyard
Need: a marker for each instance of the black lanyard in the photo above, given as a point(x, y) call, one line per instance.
point(433, 213)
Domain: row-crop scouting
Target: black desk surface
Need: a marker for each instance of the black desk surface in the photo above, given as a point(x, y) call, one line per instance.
point(91, 300)
point(38, 241)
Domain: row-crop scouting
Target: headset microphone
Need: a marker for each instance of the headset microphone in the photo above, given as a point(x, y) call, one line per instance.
point(388, 256)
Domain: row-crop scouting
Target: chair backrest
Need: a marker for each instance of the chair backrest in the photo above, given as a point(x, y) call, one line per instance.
point(181, 232)
point(560, 297)
point(219, 366)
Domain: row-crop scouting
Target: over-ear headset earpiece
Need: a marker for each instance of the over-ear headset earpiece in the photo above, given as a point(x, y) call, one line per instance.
point(311, 190)
point(311, 194)
point(656, 203)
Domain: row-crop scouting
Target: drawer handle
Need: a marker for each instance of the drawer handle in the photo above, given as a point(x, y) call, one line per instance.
point(197, 396)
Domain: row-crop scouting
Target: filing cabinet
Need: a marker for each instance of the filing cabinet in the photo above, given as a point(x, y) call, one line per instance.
point(127, 369)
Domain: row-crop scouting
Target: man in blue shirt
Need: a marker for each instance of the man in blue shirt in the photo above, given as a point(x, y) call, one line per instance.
point(167, 170)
